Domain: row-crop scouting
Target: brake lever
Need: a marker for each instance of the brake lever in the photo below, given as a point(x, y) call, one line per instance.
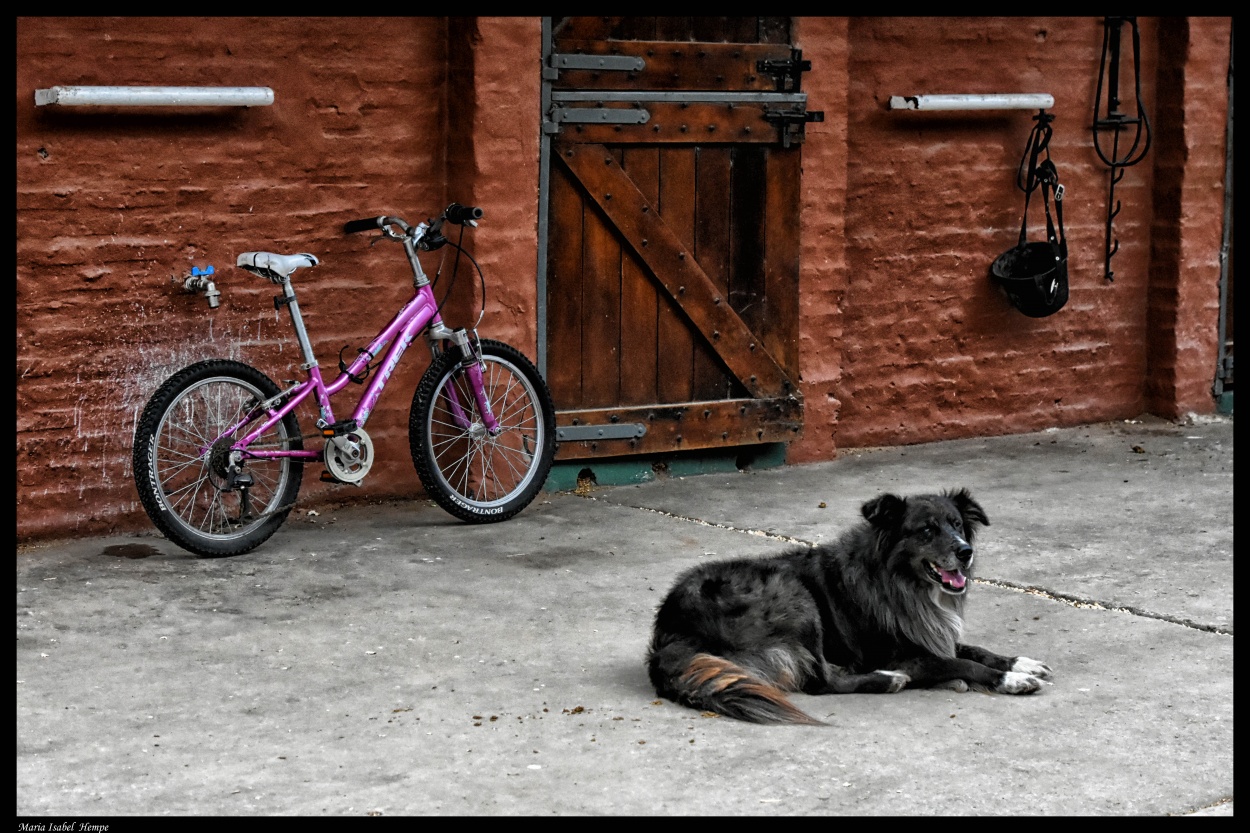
point(386, 234)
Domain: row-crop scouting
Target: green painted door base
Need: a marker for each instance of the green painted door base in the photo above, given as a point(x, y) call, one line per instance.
point(629, 470)
point(1225, 403)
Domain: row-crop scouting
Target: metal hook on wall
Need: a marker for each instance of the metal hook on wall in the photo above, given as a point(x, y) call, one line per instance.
point(1116, 122)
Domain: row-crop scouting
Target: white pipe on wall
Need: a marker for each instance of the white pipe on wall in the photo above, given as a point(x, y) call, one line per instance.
point(992, 101)
point(155, 96)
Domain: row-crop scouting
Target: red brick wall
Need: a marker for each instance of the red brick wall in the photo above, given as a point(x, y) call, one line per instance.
point(823, 265)
point(1191, 126)
point(112, 203)
point(930, 348)
point(903, 337)
point(933, 349)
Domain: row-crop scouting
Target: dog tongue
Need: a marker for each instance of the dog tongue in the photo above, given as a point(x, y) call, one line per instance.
point(955, 579)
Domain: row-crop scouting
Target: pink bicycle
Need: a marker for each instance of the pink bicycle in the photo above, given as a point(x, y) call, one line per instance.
point(218, 452)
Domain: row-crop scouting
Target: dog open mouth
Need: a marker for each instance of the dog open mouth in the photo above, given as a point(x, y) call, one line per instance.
point(952, 581)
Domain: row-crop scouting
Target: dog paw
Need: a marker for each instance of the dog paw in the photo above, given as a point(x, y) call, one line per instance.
point(1032, 667)
point(897, 682)
point(957, 686)
point(1017, 682)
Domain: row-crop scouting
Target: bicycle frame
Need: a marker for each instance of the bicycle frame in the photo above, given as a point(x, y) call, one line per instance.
point(420, 312)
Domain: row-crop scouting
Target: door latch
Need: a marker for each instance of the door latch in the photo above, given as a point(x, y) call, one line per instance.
point(787, 71)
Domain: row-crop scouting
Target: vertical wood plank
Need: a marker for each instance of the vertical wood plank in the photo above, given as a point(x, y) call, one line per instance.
point(676, 361)
point(742, 30)
point(713, 200)
point(601, 311)
point(779, 328)
point(564, 290)
point(634, 28)
point(746, 282)
point(673, 28)
point(709, 29)
point(774, 30)
point(639, 296)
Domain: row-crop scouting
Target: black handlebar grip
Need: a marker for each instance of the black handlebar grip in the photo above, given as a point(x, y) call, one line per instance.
point(361, 225)
point(458, 214)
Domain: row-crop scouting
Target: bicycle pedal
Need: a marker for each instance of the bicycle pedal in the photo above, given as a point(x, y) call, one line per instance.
point(326, 477)
point(338, 429)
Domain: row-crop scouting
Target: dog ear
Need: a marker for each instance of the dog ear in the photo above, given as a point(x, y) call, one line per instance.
point(884, 511)
point(970, 510)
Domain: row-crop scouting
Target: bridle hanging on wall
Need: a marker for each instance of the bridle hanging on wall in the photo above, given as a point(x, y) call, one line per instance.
point(1035, 275)
point(1116, 121)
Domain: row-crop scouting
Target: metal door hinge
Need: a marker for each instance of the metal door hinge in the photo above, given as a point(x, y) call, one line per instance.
point(610, 431)
point(594, 115)
point(578, 60)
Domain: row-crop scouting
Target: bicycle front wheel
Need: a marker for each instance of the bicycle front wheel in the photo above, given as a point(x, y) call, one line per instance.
point(188, 484)
point(475, 476)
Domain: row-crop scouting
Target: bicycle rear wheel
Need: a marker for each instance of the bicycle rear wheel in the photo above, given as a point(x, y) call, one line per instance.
point(182, 464)
point(475, 476)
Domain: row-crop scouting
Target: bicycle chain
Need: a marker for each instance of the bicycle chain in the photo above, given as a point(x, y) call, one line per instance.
point(288, 506)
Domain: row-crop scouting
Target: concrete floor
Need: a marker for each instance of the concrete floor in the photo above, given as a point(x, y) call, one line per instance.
point(387, 660)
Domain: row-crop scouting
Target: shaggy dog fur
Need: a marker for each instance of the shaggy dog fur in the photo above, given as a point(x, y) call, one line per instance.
point(877, 610)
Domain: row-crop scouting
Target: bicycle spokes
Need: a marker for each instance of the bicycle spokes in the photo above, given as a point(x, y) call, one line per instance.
point(477, 465)
point(207, 485)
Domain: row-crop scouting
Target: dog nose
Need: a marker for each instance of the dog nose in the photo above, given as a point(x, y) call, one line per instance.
point(964, 552)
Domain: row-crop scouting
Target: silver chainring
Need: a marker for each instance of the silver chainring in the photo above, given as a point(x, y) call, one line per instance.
point(350, 456)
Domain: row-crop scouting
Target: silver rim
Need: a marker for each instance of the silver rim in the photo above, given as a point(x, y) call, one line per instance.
point(188, 473)
point(476, 469)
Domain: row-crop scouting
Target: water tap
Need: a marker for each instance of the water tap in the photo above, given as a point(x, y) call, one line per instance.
point(198, 281)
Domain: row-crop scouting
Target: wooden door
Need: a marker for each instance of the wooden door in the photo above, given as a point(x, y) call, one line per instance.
point(672, 197)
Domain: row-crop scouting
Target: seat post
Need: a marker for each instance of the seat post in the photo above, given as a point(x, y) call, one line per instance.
point(287, 298)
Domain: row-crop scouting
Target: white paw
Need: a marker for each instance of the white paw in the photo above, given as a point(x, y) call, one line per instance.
point(1031, 666)
point(899, 682)
point(1016, 682)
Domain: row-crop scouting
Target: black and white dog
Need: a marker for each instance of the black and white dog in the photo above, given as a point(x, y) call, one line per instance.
point(877, 610)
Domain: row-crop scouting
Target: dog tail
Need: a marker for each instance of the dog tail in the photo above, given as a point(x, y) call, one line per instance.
point(711, 683)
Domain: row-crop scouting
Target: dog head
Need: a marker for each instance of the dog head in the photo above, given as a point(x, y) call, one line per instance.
point(928, 538)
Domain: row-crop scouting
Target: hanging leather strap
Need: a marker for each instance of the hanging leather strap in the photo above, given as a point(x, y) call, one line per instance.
point(1035, 172)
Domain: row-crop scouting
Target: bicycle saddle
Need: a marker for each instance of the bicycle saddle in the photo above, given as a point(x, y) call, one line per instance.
point(274, 267)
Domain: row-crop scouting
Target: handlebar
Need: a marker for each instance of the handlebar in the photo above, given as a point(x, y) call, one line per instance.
point(454, 213)
point(459, 214)
point(354, 226)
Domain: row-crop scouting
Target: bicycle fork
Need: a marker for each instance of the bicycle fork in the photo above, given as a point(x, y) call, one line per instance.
point(471, 364)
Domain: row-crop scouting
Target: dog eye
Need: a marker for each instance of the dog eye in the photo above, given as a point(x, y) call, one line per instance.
point(928, 531)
